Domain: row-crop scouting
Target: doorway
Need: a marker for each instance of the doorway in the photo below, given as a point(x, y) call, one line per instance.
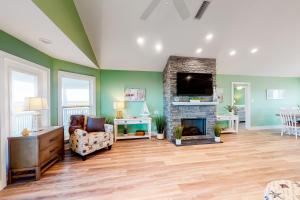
point(240, 97)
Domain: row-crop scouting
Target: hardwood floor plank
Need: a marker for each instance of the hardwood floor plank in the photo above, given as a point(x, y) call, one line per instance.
point(238, 169)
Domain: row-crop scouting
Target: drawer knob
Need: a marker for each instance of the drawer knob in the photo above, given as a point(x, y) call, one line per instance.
point(51, 151)
point(52, 139)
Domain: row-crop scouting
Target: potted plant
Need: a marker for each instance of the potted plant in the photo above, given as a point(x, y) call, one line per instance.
point(160, 126)
point(231, 109)
point(217, 130)
point(109, 120)
point(178, 134)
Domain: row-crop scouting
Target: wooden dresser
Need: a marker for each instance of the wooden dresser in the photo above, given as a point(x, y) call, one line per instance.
point(32, 155)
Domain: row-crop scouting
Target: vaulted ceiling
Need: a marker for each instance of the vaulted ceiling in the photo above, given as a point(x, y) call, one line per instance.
point(113, 26)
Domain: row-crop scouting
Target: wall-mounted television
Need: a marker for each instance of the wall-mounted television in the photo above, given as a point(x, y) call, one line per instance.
point(194, 84)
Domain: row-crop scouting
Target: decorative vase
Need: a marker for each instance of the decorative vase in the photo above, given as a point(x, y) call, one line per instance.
point(25, 132)
point(160, 136)
point(218, 139)
point(178, 141)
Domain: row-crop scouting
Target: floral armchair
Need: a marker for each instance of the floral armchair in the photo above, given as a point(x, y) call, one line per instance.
point(89, 134)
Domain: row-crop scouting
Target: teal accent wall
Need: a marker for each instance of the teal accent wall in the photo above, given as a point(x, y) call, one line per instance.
point(59, 65)
point(18, 48)
point(64, 14)
point(262, 110)
point(113, 83)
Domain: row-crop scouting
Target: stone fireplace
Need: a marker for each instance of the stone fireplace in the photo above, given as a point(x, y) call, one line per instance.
point(198, 120)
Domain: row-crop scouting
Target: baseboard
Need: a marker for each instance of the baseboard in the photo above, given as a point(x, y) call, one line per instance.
point(264, 127)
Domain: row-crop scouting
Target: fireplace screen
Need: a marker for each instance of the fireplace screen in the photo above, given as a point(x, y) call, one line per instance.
point(193, 127)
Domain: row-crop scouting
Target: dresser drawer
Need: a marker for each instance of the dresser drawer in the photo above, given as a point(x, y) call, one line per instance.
point(55, 137)
point(51, 151)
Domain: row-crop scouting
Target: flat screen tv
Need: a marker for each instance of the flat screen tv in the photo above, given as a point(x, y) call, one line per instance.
point(194, 84)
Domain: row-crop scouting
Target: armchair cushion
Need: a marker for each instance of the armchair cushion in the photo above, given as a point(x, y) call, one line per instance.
point(77, 122)
point(95, 124)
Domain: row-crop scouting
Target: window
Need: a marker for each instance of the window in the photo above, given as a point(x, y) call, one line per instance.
point(25, 81)
point(77, 96)
point(22, 85)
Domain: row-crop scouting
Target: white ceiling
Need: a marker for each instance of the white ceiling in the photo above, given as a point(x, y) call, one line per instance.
point(25, 21)
point(271, 25)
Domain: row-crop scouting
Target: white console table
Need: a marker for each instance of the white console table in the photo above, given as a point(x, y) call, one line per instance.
point(233, 123)
point(118, 122)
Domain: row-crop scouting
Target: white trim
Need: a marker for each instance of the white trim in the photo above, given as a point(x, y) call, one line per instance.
point(264, 127)
point(5, 59)
point(3, 122)
point(93, 94)
point(248, 101)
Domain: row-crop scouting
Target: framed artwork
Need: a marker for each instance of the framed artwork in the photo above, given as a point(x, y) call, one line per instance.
point(134, 94)
point(276, 94)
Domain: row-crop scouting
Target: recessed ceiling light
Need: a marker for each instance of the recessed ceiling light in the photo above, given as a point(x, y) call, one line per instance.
point(254, 50)
point(198, 51)
point(209, 36)
point(45, 41)
point(232, 53)
point(158, 47)
point(140, 41)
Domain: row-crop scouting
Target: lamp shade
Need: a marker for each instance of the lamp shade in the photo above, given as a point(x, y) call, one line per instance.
point(35, 104)
point(119, 105)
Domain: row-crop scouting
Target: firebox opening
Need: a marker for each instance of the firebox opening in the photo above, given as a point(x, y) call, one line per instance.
point(193, 127)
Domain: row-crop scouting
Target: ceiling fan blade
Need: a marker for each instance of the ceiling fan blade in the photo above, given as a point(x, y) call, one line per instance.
point(202, 9)
point(182, 9)
point(149, 9)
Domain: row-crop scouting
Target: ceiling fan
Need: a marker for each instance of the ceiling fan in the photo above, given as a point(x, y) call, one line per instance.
point(180, 6)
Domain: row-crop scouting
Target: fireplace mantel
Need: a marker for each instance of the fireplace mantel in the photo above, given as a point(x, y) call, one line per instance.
point(177, 103)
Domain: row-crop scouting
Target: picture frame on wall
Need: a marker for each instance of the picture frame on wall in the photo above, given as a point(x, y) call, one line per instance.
point(276, 94)
point(134, 94)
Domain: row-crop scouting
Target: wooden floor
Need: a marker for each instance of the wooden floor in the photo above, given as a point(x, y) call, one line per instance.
point(238, 169)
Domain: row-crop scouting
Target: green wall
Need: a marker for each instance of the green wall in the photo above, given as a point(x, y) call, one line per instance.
point(113, 83)
point(18, 48)
point(262, 110)
point(59, 65)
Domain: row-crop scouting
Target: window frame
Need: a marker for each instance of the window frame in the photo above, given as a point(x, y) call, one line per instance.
point(91, 79)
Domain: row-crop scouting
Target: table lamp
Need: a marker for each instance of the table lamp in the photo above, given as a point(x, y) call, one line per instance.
point(36, 104)
point(119, 106)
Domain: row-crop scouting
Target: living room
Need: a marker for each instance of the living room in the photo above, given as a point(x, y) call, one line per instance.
point(152, 99)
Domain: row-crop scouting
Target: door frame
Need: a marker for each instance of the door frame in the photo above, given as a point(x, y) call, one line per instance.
point(6, 58)
point(247, 101)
